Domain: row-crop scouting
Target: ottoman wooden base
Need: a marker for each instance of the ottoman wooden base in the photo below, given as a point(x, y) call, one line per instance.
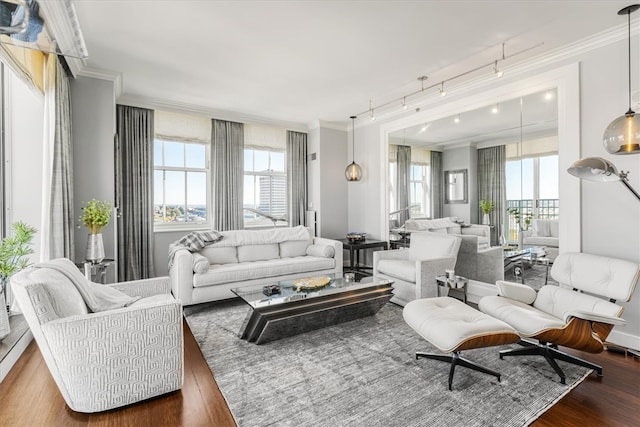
point(453, 326)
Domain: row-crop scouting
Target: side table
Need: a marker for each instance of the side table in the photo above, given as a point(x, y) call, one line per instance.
point(458, 286)
point(354, 248)
point(96, 271)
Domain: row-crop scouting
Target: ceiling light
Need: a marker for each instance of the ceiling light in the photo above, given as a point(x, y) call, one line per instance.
point(442, 91)
point(353, 172)
point(495, 109)
point(496, 70)
point(622, 136)
point(457, 119)
point(404, 103)
point(371, 112)
point(548, 96)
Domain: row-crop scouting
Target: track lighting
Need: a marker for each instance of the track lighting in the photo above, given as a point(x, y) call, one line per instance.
point(496, 70)
point(495, 109)
point(442, 91)
point(404, 103)
point(457, 119)
point(371, 112)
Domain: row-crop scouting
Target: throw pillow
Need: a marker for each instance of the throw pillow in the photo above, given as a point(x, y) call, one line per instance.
point(323, 251)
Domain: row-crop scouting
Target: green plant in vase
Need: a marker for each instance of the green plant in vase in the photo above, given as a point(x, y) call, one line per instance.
point(95, 216)
point(486, 206)
point(13, 258)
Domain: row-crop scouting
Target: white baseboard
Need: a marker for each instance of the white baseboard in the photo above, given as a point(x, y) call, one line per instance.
point(624, 340)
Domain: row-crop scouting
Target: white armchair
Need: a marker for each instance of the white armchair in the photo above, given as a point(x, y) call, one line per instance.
point(110, 358)
point(580, 313)
point(414, 271)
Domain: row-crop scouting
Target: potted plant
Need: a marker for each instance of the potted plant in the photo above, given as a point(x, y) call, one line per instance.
point(13, 252)
point(486, 206)
point(95, 216)
point(522, 226)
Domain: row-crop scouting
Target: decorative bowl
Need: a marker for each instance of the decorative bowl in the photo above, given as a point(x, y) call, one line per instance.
point(354, 237)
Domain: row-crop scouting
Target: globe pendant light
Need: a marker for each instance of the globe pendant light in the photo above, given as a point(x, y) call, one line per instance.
point(622, 136)
point(353, 171)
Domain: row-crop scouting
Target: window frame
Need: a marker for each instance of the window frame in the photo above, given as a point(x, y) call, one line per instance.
point(265, 222)
point(182, 226)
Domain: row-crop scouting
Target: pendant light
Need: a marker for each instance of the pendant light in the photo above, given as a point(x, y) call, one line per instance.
point(622, 136)
point(353, 171)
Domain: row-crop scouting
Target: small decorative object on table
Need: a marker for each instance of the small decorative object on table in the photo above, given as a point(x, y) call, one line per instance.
point(271, 290)
point(95, 216)
point(354, 236)
point(13, 250)
point(486, 206)
point(311, 283)
point(349, 277)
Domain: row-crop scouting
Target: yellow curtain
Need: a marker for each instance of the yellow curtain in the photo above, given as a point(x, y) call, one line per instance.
point(27, 63)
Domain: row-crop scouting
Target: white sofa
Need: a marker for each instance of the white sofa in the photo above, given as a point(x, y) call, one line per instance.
point(543, 232)
point(251, 257)
point(476, 233)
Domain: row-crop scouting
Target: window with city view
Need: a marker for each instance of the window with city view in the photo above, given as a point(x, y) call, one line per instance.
point(265, 186)
point(180, 182)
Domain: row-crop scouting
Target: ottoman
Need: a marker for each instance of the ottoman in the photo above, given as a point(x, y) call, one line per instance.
point(453, 326)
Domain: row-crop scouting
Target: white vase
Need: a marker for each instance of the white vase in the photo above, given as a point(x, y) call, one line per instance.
point(95, 248)
point(486, 220)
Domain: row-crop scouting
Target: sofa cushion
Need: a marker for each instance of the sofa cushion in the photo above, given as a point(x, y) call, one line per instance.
point(248, 253)
point(554, 228)
point(398, 268)
point(229, 273)
point(541, 241)
point(455, 229)
point(438, 230)
point(293, 248)
point(540, 228)
point(324, 251)
point(62, 294)
point(220, 255)
point(41, 302)
point(200, 263)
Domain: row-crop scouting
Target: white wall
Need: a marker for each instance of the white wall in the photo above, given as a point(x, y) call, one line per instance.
point(93, 120)
point(609, 212)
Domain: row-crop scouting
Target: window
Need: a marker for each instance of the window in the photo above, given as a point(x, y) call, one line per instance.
point(532, 188)
point(265, 186)
point(180, 182)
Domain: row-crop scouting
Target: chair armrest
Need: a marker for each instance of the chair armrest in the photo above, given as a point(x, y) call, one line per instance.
point(594, 317)
point(92, 352)
point(337, 246)
point(181, 275)
point(391, 254)
point(516, 291)
point(145, 287)
point(426, 271)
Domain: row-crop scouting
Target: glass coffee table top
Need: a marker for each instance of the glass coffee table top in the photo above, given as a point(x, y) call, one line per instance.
point(256, 296)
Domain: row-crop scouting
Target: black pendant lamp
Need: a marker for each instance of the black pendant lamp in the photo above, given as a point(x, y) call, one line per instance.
point(353, 172)
point(622, 136)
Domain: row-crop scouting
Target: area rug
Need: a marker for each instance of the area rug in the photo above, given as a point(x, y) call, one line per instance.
point(364, 373)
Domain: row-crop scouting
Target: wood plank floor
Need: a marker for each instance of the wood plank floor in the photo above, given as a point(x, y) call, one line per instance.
point(29, 397)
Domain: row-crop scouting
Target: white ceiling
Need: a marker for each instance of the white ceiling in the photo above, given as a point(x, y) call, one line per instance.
point(303, 61)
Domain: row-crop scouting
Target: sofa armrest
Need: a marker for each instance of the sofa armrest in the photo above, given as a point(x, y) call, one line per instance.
point(337, 246)
point(516, 291)
point(145, 287)
point(477, 230)
point(594, 317)
point(181, 276)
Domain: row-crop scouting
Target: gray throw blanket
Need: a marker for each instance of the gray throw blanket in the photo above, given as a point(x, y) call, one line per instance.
point(193, 242)
point(97, 297)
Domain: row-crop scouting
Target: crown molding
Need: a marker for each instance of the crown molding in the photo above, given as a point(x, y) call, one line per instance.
point(180, 107)
point(112, 76)
point(64, 27)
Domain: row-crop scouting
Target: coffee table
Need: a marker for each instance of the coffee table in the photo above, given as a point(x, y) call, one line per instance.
point(294, 312)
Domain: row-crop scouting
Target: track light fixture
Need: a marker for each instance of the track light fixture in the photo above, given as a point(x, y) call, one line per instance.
point(422, 79)
point(442, 91)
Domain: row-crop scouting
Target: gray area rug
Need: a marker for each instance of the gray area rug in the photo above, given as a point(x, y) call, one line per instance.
point(364, 373)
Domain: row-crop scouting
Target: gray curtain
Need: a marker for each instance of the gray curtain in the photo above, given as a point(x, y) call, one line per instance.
point(437, 187)
point(62, 221)
point(491, 183)
point(296, 177)
point(403, 175)
point(227, 162)
point(134, 192)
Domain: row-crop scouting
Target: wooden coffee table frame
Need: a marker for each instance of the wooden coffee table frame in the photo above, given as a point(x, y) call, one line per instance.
point(271, 322)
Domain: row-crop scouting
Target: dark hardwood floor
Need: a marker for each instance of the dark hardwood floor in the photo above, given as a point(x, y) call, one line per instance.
point(29, 397)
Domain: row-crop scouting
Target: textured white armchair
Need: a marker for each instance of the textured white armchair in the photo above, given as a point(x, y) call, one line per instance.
point(414, 271)
point(110, 358)
point(580, 313)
